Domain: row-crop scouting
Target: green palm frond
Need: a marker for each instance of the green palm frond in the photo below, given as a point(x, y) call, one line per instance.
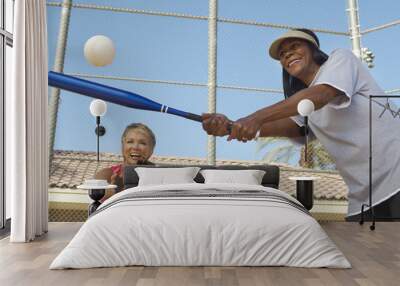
point(283, 152)
point(267, 141)
point(318, 157)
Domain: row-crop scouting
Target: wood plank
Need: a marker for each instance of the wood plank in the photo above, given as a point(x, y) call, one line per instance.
point(374, 255)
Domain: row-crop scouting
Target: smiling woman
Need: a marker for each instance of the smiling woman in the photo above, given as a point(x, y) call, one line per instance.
point(137, 142)
point(283, 48)
point(340, 86)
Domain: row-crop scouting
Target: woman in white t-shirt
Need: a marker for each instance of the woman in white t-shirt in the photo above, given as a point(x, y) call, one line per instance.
point(339, 85)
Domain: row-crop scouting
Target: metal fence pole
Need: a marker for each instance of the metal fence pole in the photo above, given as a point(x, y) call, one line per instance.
point(354, 27)
point(212, 74)
point(58, 67)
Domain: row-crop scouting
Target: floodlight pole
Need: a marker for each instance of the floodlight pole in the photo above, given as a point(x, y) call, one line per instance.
point(54, 98)
point(354, 27)
point(212, 73)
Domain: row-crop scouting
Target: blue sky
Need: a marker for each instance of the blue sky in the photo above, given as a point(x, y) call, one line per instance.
point(165, 48)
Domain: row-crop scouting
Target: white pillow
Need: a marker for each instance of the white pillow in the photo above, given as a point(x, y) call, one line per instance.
point(165, 176)
point(248, 177)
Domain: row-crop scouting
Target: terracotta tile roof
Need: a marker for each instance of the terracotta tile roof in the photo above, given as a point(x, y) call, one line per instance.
point(70, 168)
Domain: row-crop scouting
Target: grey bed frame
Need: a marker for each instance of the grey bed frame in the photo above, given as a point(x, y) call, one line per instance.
point(270, 179)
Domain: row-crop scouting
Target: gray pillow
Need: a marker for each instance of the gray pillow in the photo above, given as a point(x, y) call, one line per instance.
point(165, 176)
point(248, 177)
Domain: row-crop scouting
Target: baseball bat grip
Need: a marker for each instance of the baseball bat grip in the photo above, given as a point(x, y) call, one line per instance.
point(194, 117)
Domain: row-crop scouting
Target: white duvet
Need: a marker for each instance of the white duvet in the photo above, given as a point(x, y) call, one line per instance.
point(183, 231)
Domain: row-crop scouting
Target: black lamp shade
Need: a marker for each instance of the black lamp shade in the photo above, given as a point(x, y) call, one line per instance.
point(100, 130)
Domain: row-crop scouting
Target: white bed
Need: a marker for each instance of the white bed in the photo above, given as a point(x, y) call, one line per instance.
point(221, 225)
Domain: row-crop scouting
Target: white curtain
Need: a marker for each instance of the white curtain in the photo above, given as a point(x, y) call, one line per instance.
point(26, 123)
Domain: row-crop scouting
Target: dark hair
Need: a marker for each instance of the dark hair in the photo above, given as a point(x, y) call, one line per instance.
point(291, 84)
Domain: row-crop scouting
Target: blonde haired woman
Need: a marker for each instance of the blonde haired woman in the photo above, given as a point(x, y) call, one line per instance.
point(137, 143)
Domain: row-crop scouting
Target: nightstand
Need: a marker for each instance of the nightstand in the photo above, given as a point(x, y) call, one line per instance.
point(305, 190)
point(96, 190)
point(96, 195)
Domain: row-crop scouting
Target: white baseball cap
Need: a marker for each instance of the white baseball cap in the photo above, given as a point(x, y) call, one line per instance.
point(274, 47)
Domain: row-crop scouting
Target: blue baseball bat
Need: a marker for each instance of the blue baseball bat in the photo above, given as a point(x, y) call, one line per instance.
point(114, 95)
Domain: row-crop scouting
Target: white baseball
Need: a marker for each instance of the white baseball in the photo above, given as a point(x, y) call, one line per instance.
point(99, 51)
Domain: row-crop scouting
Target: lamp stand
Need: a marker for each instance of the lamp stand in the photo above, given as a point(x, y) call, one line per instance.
point(306, 143)
point(100, 131)
point(98, 137)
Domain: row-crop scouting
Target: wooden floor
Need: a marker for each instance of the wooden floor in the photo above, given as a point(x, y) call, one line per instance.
point(374, 255)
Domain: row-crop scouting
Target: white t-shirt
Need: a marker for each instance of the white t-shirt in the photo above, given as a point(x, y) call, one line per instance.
point(342, 126)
